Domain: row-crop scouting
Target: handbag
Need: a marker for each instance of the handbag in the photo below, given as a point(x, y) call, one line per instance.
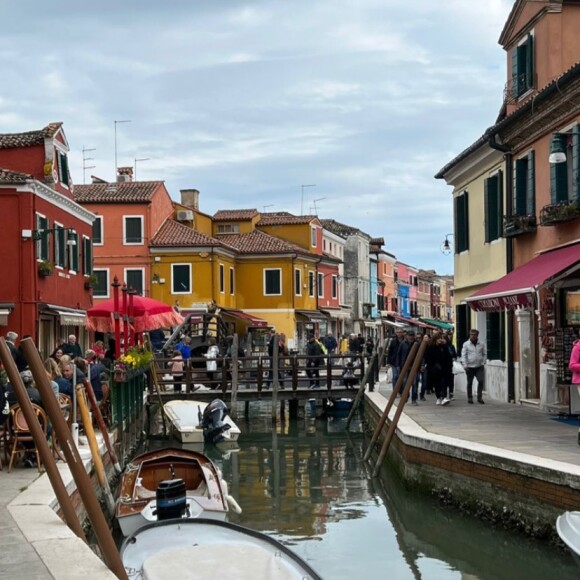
point(457, 368)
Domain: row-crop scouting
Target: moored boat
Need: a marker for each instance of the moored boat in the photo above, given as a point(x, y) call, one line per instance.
point(201, 549)
point(568, 528)
point(171, 483)
point(196, 422)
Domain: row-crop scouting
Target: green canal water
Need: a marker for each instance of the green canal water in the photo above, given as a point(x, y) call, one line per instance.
point(305, 483)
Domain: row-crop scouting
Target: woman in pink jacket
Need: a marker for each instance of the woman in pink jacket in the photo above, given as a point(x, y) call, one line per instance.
point(574, 364)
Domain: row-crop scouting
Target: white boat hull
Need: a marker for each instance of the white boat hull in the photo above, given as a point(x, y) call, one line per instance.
point(201, 549)
point(184, 417)
point(568, 528)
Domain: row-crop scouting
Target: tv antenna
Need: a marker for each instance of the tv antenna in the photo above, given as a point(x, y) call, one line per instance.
point(302, 199)
point(314, 204)
point(135, 166)
point(85, 159)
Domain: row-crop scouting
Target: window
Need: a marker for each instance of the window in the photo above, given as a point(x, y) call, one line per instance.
point(334, 286)
point(42, 245)
point(320, 285)
point(133, 230)
point(298, 282)
point(222, 279)
point(228, 229)
point(181, 278)
point(495, 329)
point(493, 201)
point(98, 231)
point(59, 245)
point(62, 163)
point(311, 284)
point(272, 282)
point(232, 281)
point(101, 287)
point(524, 186)
point(134, 279)
point(313, 236)
point(565, 177)
point(73, 251)
point(523, 66)
point(87, 256)
point(461, 214)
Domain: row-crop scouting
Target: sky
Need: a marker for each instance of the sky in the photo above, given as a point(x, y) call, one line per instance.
point(362, 101)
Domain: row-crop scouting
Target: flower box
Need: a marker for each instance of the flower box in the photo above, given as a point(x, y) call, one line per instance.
point(45, 268)
point(559, 212)
point(517, 225)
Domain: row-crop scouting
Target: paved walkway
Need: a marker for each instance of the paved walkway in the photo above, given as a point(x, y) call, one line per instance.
point(524, 429)
point(18, 558)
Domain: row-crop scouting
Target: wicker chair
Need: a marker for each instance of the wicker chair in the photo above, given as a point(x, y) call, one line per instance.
point(21, 435)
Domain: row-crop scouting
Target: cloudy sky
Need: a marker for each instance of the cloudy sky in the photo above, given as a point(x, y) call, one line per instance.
point(248, 101)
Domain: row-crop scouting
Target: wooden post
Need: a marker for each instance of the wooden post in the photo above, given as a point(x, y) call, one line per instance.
point(70, 516)
point(404, 397)
point(275, 381)
point(234, 363)
point(328, 372)
point(361, 390)
point(294, 372)
point(390, 402)
point(117, 322)
point(73, 459)
point(259, 375)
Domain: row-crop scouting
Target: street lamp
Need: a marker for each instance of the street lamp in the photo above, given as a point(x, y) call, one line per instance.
point(558, 147)
point(447, 245)
point(38, 235)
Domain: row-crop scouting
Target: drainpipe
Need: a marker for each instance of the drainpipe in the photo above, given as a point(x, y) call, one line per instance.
point(508, 156)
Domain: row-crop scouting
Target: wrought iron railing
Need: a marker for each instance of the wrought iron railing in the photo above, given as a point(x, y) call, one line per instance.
point(556, 213)
point(516, 225)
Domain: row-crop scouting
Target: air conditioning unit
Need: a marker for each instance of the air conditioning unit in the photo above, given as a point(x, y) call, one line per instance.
point(184, 215)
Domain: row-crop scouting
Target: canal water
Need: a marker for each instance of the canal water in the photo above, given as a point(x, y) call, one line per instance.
point(305, 483)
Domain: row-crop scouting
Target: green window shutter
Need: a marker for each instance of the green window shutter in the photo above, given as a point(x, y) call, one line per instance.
point(576, 163)
point(499, 210)
point(520, 178)
point(42, 247)
point(521, 56)
point(530, 62)
point(486, 209)
point(456, 225)
point(531, 184)
point(515, 91)
point(461, 223)
point(75, 254)
point(466, 221)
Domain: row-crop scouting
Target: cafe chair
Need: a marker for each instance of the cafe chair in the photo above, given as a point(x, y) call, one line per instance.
point(22, 441)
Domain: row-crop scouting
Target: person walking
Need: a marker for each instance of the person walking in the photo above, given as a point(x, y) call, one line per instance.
point(211, 363)
point(473, 358)
point(176, 368)
point(402, 354)
point(282, 351)
point(439, 365)
point(314, 351)
point(392, 354)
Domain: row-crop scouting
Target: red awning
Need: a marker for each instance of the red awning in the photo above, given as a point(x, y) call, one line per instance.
point(515, 290)
point(252, 320)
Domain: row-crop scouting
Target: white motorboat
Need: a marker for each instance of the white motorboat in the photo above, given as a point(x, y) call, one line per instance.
point(196, 422)
point(171, 483)
point(201, 549)
point(568, 528)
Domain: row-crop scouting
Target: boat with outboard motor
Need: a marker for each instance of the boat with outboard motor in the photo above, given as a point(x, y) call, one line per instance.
point(196, 422)
point(568, 528)
point(171, 483)
point(201, 549)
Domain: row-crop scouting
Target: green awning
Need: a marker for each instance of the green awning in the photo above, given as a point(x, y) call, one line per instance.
point(439, 323)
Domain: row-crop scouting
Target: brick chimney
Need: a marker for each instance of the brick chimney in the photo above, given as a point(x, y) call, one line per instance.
point(124, 174)
point(190, 198)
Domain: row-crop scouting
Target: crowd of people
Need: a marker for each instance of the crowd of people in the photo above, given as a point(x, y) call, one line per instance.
point(65, 368)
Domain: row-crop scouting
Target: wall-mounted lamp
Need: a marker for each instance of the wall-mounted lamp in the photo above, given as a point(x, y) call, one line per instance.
point(447, 245)
point(155, 279)
point(37, 235)
point(558, 147)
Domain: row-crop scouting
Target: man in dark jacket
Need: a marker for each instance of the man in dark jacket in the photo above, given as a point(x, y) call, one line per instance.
point(71, 347)
point(392, 353)
point(402, 354)
point(313, 350)
point(15, 352)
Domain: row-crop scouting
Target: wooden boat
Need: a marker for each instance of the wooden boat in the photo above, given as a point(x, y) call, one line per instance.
point(568, 528)
point(196, 422)
point(171, 483)
point(201, 549)
point(338, 406)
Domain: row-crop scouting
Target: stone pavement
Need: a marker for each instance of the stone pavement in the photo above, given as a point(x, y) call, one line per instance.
point(508, 426)
point(18, 558)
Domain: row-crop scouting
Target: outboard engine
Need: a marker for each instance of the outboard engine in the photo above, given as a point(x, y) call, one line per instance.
point(213, 421)
point(171, 500)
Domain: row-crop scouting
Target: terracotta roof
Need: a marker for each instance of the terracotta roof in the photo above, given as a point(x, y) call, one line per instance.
point(29, 138)
point(235, 215)
point(283, 218)
point(122, 192)
point(341, 230)
point(172, 233)
point(258, 242)
point(7, 176)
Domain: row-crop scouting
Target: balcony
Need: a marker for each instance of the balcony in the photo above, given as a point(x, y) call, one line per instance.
point(557, 213)
point(516, 225)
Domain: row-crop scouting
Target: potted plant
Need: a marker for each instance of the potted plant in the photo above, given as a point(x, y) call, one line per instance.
point(91, 281)
point(560, 212)
point(45, 268)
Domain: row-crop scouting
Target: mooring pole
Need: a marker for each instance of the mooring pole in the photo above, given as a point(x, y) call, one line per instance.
point(361, 390)
point(275, 382)
point(234, 369)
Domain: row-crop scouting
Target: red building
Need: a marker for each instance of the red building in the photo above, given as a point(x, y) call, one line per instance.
point(46, 249)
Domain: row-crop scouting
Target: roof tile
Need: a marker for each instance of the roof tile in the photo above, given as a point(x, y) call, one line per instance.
point(283, 218)
point(29, 138)
point(172, 233)
point(230, 215)
point(7, 176)
point(258, 242)
point(121, 192)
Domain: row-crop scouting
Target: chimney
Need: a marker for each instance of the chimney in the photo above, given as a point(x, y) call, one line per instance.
point(190, 198)
point(124, 174)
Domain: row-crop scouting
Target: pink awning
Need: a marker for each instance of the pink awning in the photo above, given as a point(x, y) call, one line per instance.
point(516, 289)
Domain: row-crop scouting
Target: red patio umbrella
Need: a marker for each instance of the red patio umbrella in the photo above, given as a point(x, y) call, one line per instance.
point(148, 314)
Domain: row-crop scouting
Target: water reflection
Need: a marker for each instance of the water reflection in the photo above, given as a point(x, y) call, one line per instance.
point(306, 484)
